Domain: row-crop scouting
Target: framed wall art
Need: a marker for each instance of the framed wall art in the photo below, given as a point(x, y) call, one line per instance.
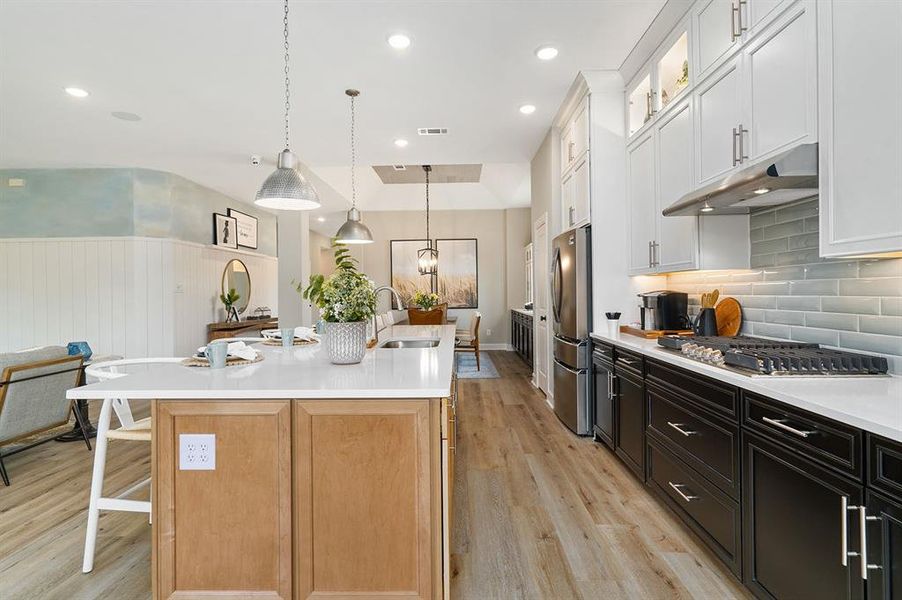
point(246, 228)
point(458, 272)
point(225, 231)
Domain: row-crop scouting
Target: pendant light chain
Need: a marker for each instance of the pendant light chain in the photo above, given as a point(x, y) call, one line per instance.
point(428, 239)
point(353, 157)
point(287, 78)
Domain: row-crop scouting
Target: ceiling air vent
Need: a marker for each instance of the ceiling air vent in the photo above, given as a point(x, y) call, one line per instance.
point(432, 131)
point(399, 167)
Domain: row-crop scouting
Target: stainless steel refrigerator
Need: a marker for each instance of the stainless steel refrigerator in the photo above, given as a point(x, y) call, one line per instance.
point(571, 303)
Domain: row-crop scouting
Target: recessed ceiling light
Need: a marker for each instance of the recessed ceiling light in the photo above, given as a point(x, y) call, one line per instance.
point(546, 52)
point(321, 219)
point(76, 92)
point(760, 191)
point(527, 109)
point(401, 143)
point(399, 41)
point(125, 116)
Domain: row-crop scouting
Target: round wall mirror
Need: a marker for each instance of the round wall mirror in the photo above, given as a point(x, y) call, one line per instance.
point(237, 277)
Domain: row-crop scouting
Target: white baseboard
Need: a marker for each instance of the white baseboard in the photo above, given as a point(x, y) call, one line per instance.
point(496, 346)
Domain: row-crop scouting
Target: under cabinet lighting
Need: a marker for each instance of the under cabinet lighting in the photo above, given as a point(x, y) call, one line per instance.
point(760, 191)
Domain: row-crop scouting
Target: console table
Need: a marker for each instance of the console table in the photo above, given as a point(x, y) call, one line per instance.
point(248, 328)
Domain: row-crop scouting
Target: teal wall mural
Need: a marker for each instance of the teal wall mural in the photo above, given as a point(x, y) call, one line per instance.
point(118, 202)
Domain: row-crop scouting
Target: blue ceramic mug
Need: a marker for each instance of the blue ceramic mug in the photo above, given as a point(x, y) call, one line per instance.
point(216, 353)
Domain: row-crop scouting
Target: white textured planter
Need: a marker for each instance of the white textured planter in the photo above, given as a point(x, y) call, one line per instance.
point(346, 342)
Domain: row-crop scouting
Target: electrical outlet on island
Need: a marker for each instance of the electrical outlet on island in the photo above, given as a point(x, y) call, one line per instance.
point(197, 452)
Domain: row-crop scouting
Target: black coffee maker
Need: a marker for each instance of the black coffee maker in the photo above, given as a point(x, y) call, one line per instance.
point(664, 310)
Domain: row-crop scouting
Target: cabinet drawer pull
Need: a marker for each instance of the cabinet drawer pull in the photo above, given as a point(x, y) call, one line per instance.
point(781, 424)
point(626, 361)
point(679, 427)
point(863, 522)
point(676, 487)
point(844, 509)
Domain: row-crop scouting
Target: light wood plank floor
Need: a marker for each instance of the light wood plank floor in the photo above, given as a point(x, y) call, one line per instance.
point(540, 514)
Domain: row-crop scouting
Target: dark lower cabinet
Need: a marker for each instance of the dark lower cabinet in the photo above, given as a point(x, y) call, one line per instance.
point(630, 417)
point(797, 517)
point(604, 399)
point(884, 543)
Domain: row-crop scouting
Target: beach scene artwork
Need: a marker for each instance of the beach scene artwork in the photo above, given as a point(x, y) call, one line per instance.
point(458, 273)
point(405, 277)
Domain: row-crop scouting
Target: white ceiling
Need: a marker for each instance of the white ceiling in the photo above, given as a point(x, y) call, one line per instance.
point(206, 78)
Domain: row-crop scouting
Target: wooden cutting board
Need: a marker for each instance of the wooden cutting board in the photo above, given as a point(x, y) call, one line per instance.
point(729, 317)
point(651, 334)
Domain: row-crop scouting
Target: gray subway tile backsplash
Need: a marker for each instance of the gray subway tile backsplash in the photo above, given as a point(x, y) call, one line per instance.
point(891, 306)
point(886, 286)
point(814, 287)
point(790, 292)
point(862, 305)
point(832, 321)
point(883, 325)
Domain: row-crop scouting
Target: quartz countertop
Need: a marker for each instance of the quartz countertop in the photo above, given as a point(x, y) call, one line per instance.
point(873, 404)
point(299, 372)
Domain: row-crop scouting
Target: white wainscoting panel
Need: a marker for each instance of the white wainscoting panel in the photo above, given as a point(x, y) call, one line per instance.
point(131, 296)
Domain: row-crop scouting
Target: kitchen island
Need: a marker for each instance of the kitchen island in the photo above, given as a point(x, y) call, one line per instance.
point(326, 480)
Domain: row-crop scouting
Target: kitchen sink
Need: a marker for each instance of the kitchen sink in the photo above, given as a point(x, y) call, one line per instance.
point(420, 343)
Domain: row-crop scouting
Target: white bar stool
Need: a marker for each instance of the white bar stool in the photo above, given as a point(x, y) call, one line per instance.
point(129, 430)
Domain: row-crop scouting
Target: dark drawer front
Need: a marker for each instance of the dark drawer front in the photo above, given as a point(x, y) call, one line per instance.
point(711, 514)
point(603, 350)
point(824, 440)
point(885, 465)
point(626, 359)
point(709, 445)
point(723, 399)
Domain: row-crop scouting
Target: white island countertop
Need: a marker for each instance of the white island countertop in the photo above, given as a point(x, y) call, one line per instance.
point(299, 372)
point(873, 404)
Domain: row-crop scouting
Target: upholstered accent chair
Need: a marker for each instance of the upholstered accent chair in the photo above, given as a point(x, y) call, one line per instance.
point(33, 386)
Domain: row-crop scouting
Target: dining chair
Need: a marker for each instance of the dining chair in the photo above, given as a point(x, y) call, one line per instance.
point(469, 341)
point(129, 430)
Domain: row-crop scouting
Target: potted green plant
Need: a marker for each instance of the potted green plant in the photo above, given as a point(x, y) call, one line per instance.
point(346, 299)
point(229, 301)
point(425, 300)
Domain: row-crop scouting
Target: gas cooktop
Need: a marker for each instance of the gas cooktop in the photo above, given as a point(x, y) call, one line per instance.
point(759, 356)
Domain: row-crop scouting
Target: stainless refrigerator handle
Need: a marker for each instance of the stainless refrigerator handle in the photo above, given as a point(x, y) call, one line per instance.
point(565, 367)
point(556, 285)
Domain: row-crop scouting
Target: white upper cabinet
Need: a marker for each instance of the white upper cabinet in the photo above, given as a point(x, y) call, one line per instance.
point(720, 131)
point(677, 237)
point(639, 104)
point(717, 30)
point(575, 136)
point(758, 13)
point(641, 191)
point(860, 126)
point(781, 84)
point(672, 71)
point(575, 195)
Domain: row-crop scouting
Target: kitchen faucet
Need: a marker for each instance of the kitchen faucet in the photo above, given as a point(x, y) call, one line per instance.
point(397, 296)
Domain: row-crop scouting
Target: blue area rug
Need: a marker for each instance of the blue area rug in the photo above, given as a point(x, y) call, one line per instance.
point(465, 365)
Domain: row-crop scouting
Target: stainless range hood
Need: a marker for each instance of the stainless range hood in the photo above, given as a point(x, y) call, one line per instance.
point(789, 176)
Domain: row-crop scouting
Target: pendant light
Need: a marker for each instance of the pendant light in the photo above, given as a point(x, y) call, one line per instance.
point(353, 231)
point(427, 258)
point(286, 188)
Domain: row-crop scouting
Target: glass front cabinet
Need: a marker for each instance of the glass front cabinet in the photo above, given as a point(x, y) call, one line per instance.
point(660, 82)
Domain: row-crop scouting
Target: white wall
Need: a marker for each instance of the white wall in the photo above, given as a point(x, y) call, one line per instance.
point(129, 296)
